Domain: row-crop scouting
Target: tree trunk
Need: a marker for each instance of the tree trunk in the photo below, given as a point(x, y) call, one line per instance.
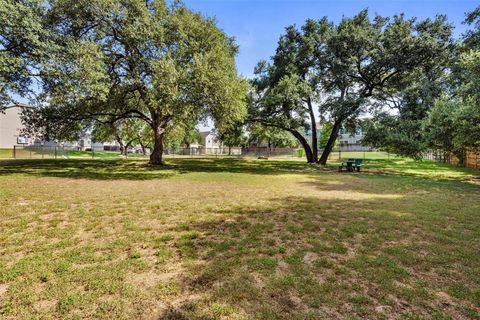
point(144, 149)
point(313, 123)
point(299, 137)
point(304, 142)
point(331, 142)
point(156, 156)
point(121, 145)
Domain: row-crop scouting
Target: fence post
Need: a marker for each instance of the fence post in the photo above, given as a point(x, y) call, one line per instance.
point(14, 152)
point(55, 152)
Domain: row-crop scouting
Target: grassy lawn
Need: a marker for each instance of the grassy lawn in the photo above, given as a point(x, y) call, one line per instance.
point(237, 239)
point(371, 155)
point(96, 154)
point(5, 153)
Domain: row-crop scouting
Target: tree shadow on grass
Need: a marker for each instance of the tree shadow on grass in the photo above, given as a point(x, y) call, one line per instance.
point(97, 169)
point(83, 169)
point(302, 257)
point(420, 168)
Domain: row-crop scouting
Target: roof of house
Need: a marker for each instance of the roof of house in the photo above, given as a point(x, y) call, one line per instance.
point(16, 105)
point(206, 133)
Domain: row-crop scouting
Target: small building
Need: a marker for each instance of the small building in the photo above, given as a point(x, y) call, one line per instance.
point(86, 143)
point(347, 137)
point(11, 127)
point(210, 140)
point(352, 141)
point(210, 143)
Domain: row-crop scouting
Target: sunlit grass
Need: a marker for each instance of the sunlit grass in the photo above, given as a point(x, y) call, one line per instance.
point(5, 153)
point(237, 239)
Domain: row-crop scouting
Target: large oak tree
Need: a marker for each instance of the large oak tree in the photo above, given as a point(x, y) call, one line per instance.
point(344, 69)
point(136, 59)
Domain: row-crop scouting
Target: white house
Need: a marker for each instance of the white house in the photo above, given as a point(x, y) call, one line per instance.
point(11, 126)
point(210, 140)
point(209, 143)
point(346, 137)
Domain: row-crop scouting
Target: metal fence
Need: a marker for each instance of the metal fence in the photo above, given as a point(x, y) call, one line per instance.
point(37, 152)
point(263, 152)
point(436, 155)
point(63, 152)
point(53, 152)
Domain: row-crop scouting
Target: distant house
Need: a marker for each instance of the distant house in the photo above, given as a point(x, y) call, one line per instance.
point(346, 137)
point(352, 141)
point(86, 143)
point(11, 127)
point(347, 140)
point(210, 143)
point(210, 140)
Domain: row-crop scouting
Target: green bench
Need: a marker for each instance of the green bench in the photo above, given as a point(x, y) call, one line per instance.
point(351, 165)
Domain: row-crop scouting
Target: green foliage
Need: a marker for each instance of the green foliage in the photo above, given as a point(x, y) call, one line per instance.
point(127, 132)
point(325, 133)
point(347, 69)
point(274, 137)
point(454, 123)
point(233, 137)
point(180, 135)
point(395, 135)
point(162, 64)
point(24, 43)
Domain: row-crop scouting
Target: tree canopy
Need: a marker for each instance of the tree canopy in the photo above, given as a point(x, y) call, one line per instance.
point(150, 70)
point(135, 59)
point(344, 70)
point(24, 44)
point(439, 110)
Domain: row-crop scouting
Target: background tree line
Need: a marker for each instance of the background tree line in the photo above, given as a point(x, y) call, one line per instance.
point(146, 72)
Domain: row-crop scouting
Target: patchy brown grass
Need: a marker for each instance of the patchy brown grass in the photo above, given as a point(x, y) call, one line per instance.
point(231, 239)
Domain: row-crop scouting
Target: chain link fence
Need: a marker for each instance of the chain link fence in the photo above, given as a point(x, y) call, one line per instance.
point(63, 152)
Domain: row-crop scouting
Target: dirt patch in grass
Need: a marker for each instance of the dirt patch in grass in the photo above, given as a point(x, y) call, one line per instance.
point(237, 240)
point(3, 289)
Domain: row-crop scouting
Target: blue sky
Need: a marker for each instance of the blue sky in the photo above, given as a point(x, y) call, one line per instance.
point(257, 24)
